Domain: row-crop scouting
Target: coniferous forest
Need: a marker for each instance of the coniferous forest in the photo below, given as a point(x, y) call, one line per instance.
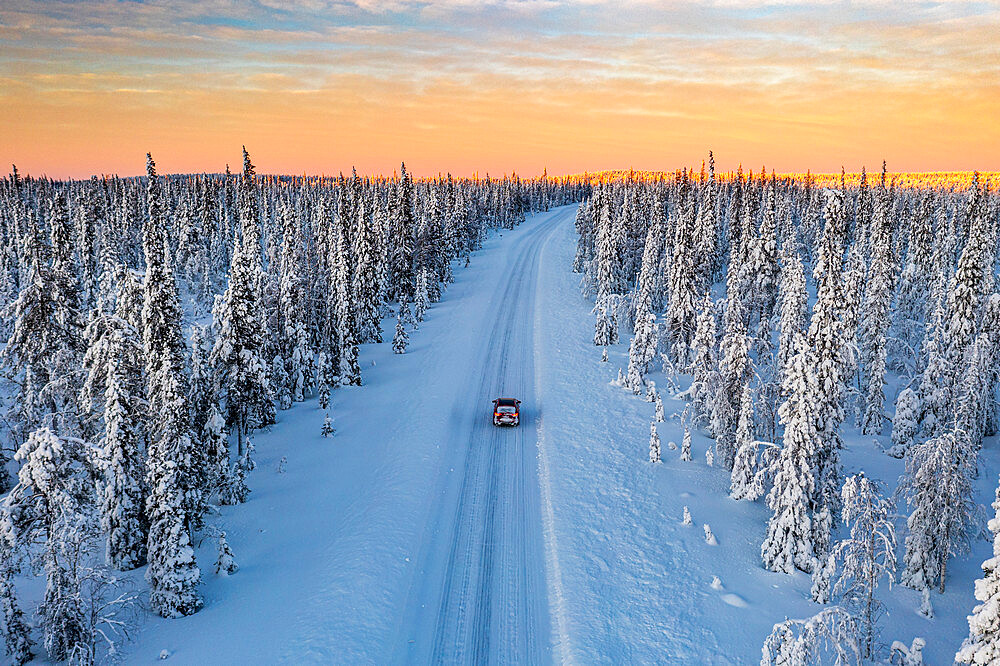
point(155, 326)
point(803, 312)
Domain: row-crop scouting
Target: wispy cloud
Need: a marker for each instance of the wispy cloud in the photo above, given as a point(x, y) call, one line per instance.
point(524, 83)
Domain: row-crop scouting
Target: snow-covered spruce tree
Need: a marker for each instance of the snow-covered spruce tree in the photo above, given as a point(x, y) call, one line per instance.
point(292, 304)
point(215, 440)
point(686, 446)
point(704, 367)
point(763, 265)
point(937, 489)
point(123, 514)
point(606, 261)
point(585, 238)
point(829, 637)
point(54, 500)
point(706, 227)
point(789, 544)
point(792, 320)
point(983, 644)
point(402, 281)
point(917, 275)
point(173, 574)
point(16, 632)
point(654, 444)
point(421, 300)
point(935, 412)
point(15, 628)
point(400, 340)
point(868, 555)
point(327, 428)
point(967, 291)
point(905, 423)
point(237, 491)
point(875, 313)
point(734, 372)
point(174, 466)
point(346, 309)
point(367, 292)
point(826, 339)
point(682, 306)
point(745, 461)
point(225, 563)
point(642, 349)
point(241, 370)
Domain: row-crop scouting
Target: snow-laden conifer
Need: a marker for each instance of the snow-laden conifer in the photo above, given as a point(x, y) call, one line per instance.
point(654, 444)
point(705, 381)
point(225, 562)
point(938, 492)
point(174, 468)
point(789, 542)
point(54, 506)
point(686, 446)
point(827, 340)
point(400, 339)
point(793, 310)
point(238, 356)
point(734, 371)
point(875, 313)
point(983, 644)
point(421, 299)
point(905, 422)
point(123, 512)
point(744, 464)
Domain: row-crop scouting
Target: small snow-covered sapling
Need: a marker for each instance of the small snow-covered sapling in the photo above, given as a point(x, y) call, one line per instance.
point(654, 444)
point(709, 456)
point(659, 408)
point(281, 464)
point(604, 355)
point(327, 428)
point(709, 537)
point(926, 609)
point(225, 565)
point(687, 517)
point(686, 445)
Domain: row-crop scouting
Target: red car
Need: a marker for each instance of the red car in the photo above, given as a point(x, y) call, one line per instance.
point(506, 411)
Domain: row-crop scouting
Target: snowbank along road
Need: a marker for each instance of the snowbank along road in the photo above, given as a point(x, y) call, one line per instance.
point(480, 594)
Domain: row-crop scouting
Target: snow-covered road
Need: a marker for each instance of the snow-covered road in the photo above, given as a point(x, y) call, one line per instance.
point(480, 591)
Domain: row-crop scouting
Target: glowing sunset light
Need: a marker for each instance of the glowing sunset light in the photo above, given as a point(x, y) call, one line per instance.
point(461, 86)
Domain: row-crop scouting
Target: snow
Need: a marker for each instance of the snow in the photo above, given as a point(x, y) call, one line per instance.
point(421, 532)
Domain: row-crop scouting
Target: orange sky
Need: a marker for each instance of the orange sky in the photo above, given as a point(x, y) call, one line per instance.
point(463, 86)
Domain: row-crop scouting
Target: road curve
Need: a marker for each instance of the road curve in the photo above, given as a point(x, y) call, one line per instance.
point(479, 594)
